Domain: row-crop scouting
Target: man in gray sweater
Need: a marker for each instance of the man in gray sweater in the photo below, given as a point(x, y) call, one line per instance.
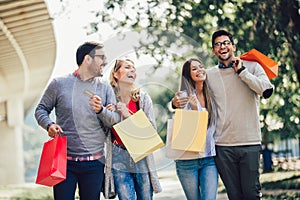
point(237, 86)
point(79, 100)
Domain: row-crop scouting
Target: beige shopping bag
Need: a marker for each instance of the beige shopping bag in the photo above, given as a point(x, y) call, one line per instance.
point(138, 135)
point(189, 130)
point(173, 153)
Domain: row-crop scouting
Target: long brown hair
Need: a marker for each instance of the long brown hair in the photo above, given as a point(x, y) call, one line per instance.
point(188, 84)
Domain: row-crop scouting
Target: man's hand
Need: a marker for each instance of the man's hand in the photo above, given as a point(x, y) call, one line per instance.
point(96, 103)
point(54, 130)
point(236, 63)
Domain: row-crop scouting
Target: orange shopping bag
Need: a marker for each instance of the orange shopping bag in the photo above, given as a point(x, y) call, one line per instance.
point(53, 163)
point(269, 65)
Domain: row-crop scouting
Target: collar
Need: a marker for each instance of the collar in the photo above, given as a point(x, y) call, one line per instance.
point(76, 74)
point(222, 66)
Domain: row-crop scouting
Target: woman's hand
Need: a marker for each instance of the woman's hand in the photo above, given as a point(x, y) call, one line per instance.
point(122, 108)
point(111, 107)
point(180, 102)
point(193, 102)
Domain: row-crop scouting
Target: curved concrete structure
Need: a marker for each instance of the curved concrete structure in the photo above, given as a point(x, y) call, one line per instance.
point(27, 58)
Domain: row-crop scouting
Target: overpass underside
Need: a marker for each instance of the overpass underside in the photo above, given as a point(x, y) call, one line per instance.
point(27, 58)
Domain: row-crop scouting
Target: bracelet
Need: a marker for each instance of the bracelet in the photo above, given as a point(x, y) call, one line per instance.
point(48, 126)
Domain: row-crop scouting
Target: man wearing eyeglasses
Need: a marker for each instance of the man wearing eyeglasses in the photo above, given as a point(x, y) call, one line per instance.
point(79, 100)
point(237, 86)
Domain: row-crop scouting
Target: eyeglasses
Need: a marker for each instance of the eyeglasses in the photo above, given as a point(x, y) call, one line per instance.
point(102, 56)
point(225, 43)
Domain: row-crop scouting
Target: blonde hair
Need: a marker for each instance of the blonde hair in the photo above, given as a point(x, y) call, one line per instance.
point(135, 93)
point(117, 66)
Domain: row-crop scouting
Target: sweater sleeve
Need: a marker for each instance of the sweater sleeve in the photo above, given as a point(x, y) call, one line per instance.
point(255, 77)
point(107, 117)
point(46, 105)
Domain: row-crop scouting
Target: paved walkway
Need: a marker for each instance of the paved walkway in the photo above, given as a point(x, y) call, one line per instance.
point(170, 184)
point(166, 171)
point(172, 189)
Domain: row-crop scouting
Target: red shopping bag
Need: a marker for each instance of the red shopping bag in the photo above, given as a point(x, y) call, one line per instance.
point(269, 65)
point(53, 163)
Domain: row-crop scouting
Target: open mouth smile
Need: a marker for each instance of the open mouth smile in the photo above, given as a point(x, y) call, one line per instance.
point(131, 76)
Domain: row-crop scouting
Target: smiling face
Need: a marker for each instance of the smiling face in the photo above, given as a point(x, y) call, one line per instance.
point(223, 48)
point(197, 71)
point(126, 73)
point(98, 63)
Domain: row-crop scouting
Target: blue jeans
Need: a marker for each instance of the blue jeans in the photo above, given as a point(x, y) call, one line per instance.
point(198, 178)
point(89, 176)
point(132, 179)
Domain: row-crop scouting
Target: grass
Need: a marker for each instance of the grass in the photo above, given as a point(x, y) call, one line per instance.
point(280, 185)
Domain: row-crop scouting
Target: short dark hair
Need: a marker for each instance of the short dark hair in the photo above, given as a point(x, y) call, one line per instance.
point(88, 48)
point(220, 33)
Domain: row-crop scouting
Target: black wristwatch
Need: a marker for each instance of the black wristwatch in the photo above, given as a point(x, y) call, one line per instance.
point(48, 126)
point(241, 69)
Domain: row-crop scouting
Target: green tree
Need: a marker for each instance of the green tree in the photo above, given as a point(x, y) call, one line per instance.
point(272, 27)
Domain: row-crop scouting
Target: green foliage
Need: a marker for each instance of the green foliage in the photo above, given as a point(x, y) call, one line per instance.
point(272, 27)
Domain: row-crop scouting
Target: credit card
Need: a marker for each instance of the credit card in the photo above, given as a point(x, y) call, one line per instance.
point(88, 93)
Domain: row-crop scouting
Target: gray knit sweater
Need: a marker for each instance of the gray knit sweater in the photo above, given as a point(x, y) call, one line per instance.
point(74, 114)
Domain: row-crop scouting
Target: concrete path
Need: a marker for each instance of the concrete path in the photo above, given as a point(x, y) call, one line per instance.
point(172, 189)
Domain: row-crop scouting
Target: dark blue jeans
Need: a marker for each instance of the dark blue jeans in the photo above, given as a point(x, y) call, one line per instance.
point(89, 176)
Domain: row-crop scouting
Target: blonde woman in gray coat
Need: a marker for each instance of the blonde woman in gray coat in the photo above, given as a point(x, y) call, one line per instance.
point(132, 180)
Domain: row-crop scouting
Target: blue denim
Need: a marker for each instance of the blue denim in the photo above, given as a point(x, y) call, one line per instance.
point(89, 176)
point(132, 179)
point(198, 178)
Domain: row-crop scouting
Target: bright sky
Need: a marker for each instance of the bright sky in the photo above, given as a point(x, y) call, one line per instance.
point(70, 18)
point(69, 23)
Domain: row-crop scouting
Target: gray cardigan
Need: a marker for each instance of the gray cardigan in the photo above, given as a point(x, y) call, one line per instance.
point(145, 104)
point(147, 107)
